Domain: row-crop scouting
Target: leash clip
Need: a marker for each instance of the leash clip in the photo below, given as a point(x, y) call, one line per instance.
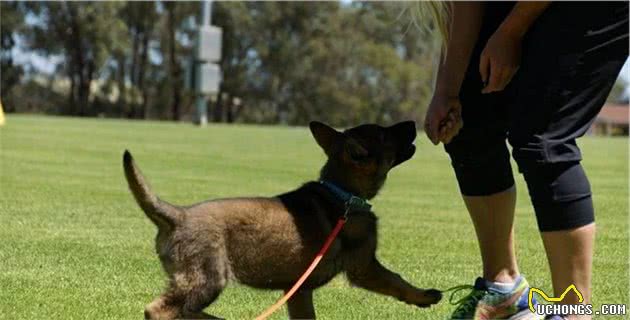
point(356, 203)
point(345, 213)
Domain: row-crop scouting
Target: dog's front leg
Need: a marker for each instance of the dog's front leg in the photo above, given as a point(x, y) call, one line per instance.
point(301, 305)
point(375, 277)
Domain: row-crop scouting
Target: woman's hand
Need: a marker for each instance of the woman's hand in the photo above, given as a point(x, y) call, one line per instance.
point(499, 60)
point(444, 116)
point(443, 119)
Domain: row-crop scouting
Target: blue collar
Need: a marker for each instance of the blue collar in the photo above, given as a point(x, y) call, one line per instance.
point(350, 201)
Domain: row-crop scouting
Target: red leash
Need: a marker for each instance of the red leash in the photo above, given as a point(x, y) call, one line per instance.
point(308, 271)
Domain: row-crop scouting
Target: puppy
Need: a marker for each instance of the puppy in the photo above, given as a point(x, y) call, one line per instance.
point(267, 243)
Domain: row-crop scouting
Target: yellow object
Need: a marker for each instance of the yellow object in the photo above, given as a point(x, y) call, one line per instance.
point(2, 120)
point(551, 299)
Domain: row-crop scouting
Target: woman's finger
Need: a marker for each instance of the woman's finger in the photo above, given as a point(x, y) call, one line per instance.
point(431, 128)
point(451, 118)
point(448, 123)
point(448, 136)
point(484, 66)
point(495, 79)
point(443, 133)
point(458, 124)
point(447, 139)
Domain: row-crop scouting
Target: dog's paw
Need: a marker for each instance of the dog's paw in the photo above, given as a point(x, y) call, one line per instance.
point(426, 298)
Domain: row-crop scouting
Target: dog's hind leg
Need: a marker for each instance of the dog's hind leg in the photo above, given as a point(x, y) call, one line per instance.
point(173, 305)
point(301, 305)
point(162, 308)
point(207, 288)
point(188, 294)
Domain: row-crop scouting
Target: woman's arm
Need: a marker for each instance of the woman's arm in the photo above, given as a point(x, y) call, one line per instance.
point(443, 118)
point(463, 32)
point(501, 56)
point(523, 16)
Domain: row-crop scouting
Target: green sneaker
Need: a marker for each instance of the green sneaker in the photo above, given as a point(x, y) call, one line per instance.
point(492, 302)
point(466, 306)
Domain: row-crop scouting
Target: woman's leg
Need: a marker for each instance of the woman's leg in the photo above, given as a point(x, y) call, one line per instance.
point(493, 217)
point(570, 255)
point(561, 196)
point(484, 175)
point(561, 87)
point(481, 162)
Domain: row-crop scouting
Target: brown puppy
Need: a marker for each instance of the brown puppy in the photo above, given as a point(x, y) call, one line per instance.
point(268, 242)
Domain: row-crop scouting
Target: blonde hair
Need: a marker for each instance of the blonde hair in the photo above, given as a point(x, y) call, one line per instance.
point(433, 16)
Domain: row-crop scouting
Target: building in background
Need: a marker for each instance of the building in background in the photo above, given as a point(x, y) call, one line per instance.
point(611, 120)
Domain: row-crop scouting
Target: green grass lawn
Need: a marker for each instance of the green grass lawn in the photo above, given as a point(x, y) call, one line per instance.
point(74, 244)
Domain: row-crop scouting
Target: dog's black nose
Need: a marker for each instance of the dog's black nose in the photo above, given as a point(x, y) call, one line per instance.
point(405, 131)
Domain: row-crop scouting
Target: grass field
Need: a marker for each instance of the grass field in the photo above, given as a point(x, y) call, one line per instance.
point(74, 245)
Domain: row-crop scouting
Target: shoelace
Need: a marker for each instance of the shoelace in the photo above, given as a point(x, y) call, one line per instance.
point(468, 302)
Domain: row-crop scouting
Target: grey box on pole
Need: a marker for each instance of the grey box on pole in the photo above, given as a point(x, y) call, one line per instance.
point(209, 44)
point(202, 73)
point(208, 78)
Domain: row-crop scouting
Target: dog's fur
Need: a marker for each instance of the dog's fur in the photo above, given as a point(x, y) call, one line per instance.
point(268, 242)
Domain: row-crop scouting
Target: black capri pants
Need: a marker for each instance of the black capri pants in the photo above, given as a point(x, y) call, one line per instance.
point(571, 57)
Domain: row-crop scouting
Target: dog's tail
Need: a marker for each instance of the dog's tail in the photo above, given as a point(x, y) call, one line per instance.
point(160, 212)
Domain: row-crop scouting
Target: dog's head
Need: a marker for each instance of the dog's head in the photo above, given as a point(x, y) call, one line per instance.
point(359, 158)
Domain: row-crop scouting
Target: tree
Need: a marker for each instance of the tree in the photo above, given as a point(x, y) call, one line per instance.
point(288, 62)
point(11, 21)
point(342, 64)
point(174, 51)
point(84, 33)
point(140, 19)
point(238, 42)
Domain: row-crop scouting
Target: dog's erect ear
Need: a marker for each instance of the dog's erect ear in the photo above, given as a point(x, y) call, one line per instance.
point(405, 133)
point(356, 152)
point(324, 135)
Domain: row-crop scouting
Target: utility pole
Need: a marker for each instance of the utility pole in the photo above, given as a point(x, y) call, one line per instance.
point(205, 74)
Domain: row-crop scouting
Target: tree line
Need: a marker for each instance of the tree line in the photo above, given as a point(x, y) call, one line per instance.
point(282, 62)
